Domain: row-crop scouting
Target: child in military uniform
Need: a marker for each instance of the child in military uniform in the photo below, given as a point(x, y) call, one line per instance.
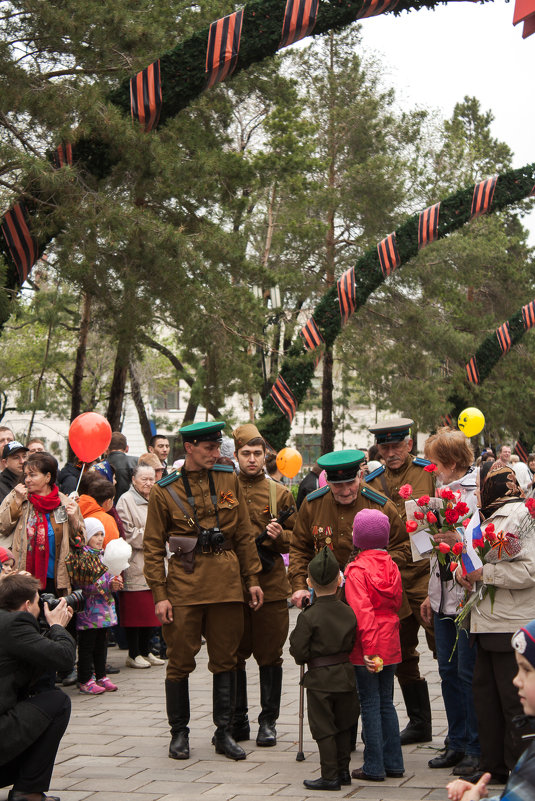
point(323, 638)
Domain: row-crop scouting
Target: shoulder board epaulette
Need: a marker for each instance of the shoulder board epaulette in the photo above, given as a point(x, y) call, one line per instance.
point(223, 468)
point(371, 495)
point(317, 493)
point(419, 462)
point(163, 482)
point(375, 474)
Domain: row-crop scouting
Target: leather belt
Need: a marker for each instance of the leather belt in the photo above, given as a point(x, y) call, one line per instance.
point(326, 661)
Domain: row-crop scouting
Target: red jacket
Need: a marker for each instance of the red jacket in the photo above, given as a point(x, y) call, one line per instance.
point(373, 591)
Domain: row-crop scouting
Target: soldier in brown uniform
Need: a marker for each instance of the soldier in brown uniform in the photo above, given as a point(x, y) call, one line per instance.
point(201, 514)
point(265, 631)
point(326, 518)
point(394, 443)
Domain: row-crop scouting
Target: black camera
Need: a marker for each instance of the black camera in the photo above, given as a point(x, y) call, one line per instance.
point(75, 600)
point(210, 539)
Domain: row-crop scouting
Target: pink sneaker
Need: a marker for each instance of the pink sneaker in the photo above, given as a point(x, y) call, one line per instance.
point(107, 684)
point(91, 688)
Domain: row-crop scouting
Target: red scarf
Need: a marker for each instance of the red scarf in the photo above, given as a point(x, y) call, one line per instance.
point(38, 552)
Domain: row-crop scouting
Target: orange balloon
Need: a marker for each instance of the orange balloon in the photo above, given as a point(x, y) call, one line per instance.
point(289, 462)
point(89, 435)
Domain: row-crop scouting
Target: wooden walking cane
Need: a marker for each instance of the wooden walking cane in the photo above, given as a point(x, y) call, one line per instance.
point(300, 756)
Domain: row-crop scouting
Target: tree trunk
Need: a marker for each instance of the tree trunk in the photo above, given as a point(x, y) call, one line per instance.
point(81, 352)
point(137, 397)
point(327, 427)
point(118, 385)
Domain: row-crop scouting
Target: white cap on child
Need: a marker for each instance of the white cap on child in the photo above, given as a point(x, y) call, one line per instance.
point(92, 526)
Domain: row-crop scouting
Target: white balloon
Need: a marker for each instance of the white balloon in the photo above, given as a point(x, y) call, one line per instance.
point(117, 556)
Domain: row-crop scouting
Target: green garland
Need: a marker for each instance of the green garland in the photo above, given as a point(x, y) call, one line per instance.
point(183, 79)
point(298, 368)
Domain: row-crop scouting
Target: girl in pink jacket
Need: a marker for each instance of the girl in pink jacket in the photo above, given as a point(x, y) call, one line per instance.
point(373, 590)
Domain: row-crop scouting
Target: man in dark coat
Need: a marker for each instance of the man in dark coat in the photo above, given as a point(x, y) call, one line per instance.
point(13, 458)
point(32, 723)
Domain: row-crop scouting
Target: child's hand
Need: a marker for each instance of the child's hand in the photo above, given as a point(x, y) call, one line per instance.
point(373, 664)
point(116, 583)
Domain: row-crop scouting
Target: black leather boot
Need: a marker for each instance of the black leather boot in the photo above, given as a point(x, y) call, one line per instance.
point(270, 701)
point(240, 728)
point(224, 691)
point(177, 703)
point(418, 729)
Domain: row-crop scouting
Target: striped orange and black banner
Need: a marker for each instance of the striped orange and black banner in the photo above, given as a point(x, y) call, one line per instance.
point(372, 8)
point(63, 155)
point(311, 335)
point(528, 315)
point(223, 47)
point(299, 20)
point(347, 295)
point(283, 396)
point(388, 254)
point(22, 246)
point(521, 450)
point(532, 193)
point(504, 337)
point(428, 225)
point(472, 372)
point(447, 420)
point(482, 197)
point(146, 96)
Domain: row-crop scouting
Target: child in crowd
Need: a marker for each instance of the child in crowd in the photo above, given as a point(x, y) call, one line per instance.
point(95, 619)
point(521, 783)
point(373, 591)
point(323, 637)
point(7, 561)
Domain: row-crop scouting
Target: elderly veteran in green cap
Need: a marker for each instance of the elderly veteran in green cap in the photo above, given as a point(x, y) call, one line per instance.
point(265, 631)
point(326, 518)
point(394, 442)
point(323, 637)
point(201, 515)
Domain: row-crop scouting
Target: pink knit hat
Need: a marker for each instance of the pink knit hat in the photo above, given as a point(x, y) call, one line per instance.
point(371, 529)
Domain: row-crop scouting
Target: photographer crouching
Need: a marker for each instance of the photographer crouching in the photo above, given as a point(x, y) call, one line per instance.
point(32, 723)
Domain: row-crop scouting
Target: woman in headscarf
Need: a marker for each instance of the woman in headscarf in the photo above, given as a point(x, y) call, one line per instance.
point(496, 618)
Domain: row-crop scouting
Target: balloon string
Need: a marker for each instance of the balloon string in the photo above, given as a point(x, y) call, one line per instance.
point(80, 476)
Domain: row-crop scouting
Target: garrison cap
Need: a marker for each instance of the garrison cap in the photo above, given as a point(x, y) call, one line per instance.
point(203, 432)
point(324, 568)
point(244, 434)
point(341, 466)
point(394, 430)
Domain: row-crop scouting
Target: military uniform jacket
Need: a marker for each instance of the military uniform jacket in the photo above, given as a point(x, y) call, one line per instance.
point(321, 521)
point(255, 491)
point(217, 576)
point(325, 628)
point(422, 483)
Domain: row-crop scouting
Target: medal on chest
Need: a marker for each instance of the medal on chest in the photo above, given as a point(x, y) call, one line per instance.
point(322, 536)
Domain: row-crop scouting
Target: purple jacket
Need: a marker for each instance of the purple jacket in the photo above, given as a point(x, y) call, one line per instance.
point(99, 611)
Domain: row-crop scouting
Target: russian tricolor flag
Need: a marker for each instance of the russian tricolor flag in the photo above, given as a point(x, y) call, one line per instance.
point(472, 534)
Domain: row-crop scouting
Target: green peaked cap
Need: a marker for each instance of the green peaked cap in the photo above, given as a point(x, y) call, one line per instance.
point(324, 568)
point(203, 432)
point(341, 465)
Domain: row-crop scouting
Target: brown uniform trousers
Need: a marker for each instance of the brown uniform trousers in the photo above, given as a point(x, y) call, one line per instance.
point(414, 575)
point(266, 630)
point(208, 601)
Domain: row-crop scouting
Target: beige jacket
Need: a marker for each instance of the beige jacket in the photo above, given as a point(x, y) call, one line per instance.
point(514, 601)
point(13, 520)
point(132, 509)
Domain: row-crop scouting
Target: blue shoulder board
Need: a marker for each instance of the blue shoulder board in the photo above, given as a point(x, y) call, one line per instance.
point(317, 493)
point(371, 495)
point(163, 482)
point(421, 462)
point(375, 473)
point(223, 468)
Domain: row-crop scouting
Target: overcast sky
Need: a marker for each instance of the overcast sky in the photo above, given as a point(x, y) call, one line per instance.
point(435, 58)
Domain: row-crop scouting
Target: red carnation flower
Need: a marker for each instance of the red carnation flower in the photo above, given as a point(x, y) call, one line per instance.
point(430, 468)
point(405, 491)
point(489, 533)
point(462, 508)
point(457, 548)
point(451, 516)
point(466, 522)
point(447, 494)
point(530, 506)
point(423, 501)
point(431, 517)
point(410, 526)
point(418, 515)
point(444, 547)
point(454, 566)
point(478, 543)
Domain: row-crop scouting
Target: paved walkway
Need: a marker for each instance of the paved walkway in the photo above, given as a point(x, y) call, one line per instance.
point(115, 748)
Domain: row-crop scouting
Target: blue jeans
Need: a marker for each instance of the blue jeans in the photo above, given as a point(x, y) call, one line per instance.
point(457, 678)
point(382, 748)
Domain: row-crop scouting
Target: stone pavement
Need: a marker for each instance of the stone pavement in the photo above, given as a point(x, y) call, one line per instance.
point(115, 748)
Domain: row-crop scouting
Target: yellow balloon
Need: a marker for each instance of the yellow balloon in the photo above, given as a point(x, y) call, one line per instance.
point(289, 462)
point(471, 421)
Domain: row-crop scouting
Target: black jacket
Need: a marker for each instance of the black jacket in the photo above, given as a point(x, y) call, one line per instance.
point(25, 654)
point(124, 467)
point(68, 478)
point(8, 481)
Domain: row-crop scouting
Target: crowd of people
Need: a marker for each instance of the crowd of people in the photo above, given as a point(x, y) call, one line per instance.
point(220, 550)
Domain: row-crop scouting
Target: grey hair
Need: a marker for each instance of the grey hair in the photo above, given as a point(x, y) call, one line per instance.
point(139, 467)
